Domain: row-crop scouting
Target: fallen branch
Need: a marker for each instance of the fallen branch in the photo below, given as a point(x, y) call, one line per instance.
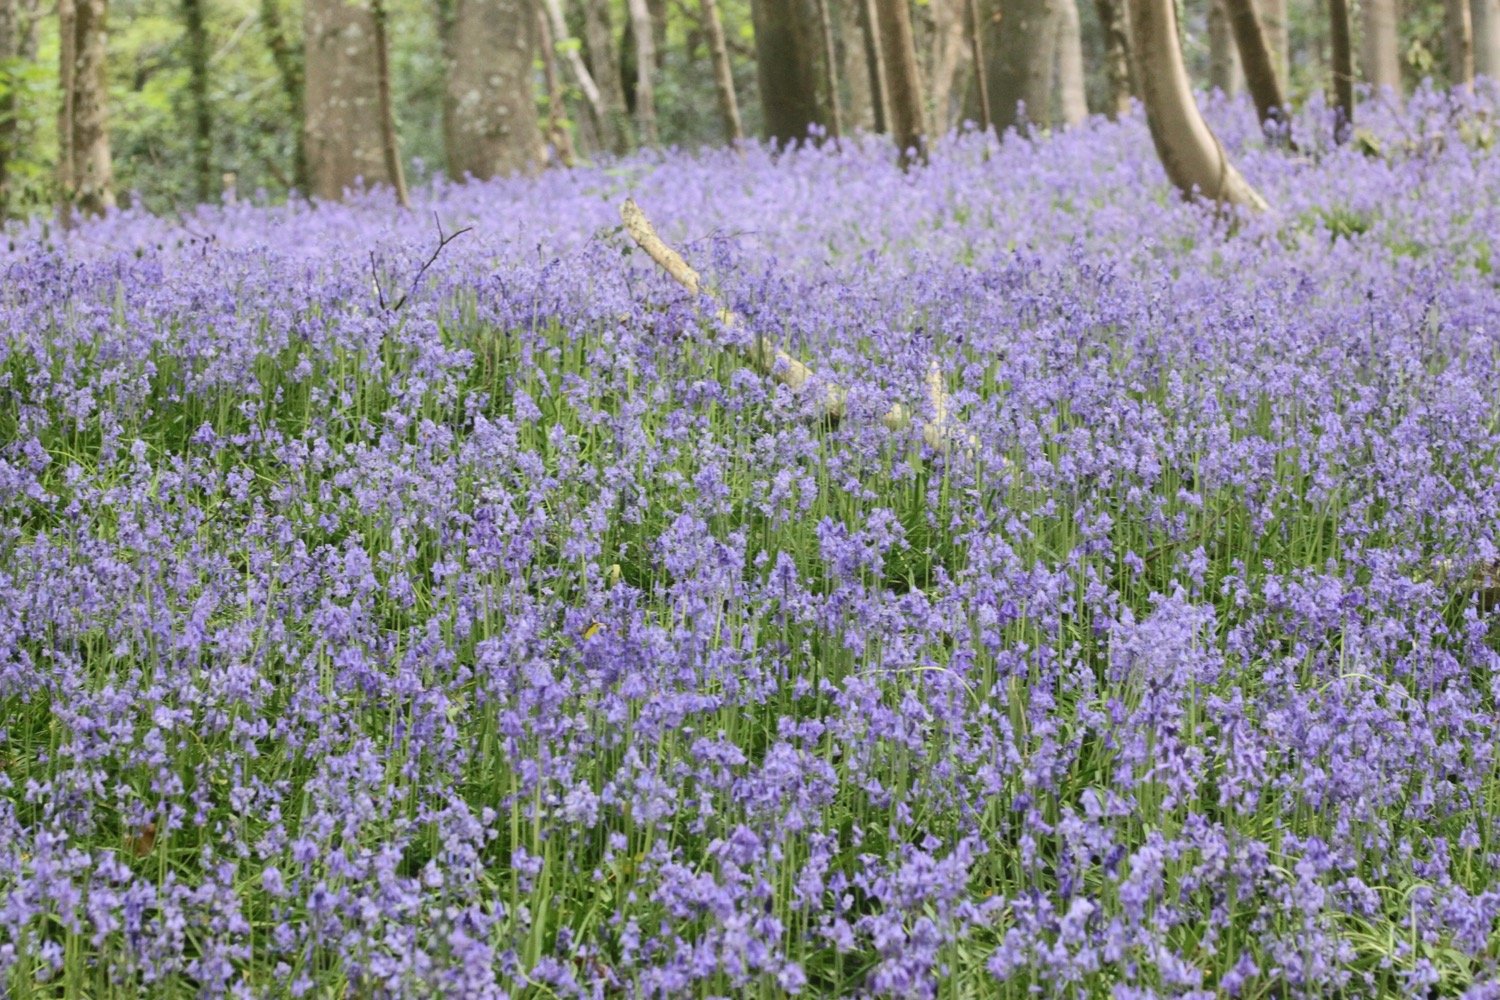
point(769, 359)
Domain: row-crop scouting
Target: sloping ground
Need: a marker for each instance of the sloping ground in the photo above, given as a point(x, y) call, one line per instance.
point(522, 641)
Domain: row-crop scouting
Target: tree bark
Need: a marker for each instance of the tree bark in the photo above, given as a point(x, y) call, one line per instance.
point(1113, 21)
point(880, 84)
point(1485, 15)
point(1194, 160)
point(289, 69)
point(830, 70)
point(67, 74)
point(93, 169)
point(950, 44)
point(645, 67)
point(557, 26)
point(493, 129)
point(342, 99)
point(1273, 24)
point(855, 66)
point(604, 62)
point(1343, 68)
point(1020, 42)
point(10, 106)
point(908, 123)
point(1380, 48)
point(1255, 55)
point(1223, 58)
point(729, 107)
point(786, 65)
point(1458, 41)
point(203, 122)
point(390, 149)
point(1070, 87)
point(981, 81)
point(557, 128)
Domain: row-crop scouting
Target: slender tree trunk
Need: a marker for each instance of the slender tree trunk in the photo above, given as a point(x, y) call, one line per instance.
point(1380, 47)
point(557, 112)
point(1273, 23)
point(855, 66)
point(1070, 88)
point(604, 61)
point(491, 109)
point(830, 70)
point(950, 43)
point(1343, 68)
point(1020, 45)
point(10, 106)
point(203, 122)
point(1458, 40)
point(908, 124)
point(981, 79)
point(880, 84)
point(557, 25)
point(1223, 58)
point(344, 134)
point(1485, 15)
point(645, 66)
point(786, 66)
point(390, 149)
point(1113, 21)
point(729, 106)
point(1255, 56)
point(289, 69)
point(93, 169)
point(1194, 160)
point(67, 75)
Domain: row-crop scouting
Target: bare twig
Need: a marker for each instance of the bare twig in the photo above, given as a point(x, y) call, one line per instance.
point(442, 244)
point(768, 358)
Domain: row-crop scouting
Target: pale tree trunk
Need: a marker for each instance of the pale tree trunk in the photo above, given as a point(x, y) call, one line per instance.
point(67, 73)
point(1194, 160)
point(604, 62)
point(1223, 57)
point(786, 68)
point(830, 69)
point(855, 68)
point(390, 149)
point(93, 170)
point(342, 100)
point(981, 79)
point(203, 122)
point(492, 126)
point(1485, 15)
point(1258, 61)
point(1071, 98)
point(950, 52)
point(289, 70)
point(558, 30)
point(557, 112)
point(1343, 67)
point(729, 106)
point(1114, 22)
point(880, 84)
point(1273, 24)
point(908, 123)
point(1380, 48)
point(644, 32)
point(1019, 45)
point(1458, 41)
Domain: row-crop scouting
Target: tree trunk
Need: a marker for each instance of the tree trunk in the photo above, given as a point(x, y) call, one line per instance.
point(10, 54)
point(203, 123)
point(1256, 57)
point(830, 70)
point(645, 67)
point(67, 73)
point(1485, 15)
point(390, 149)
point(1113, 21)
point(343, 128)
point(1223, 58)
point(1273, 24)
point(558, 30)
point(598, 37)
point(93, 170)
point(491, 116)
point(1190, 152)
point(1343, 68)
point(557, 112)
point(880, 84)
point(908, 123)
point(289, 69)
point(786, 68)
point(855, 66)
point(950, 43)
point(1380, 47)
point(1458, 41)
point(981, 82)
point(1071, 98)
point(1021, 40)
point(729, 106)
